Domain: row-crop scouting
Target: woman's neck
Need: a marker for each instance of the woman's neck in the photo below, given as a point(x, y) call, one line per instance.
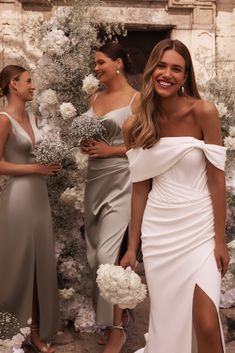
point(16, 107)
point(119, 83)
point(169, 106)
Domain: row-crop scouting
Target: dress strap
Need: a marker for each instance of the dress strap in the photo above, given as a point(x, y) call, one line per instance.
point(132, 99)
point(9, 117)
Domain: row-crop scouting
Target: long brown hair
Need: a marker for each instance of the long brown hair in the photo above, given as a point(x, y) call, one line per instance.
point(8, 73)
point(145, 131)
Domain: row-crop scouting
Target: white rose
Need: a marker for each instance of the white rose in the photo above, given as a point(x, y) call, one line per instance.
point(67, 111)
point(90, 84)
point(48, 97)
point(55, 42)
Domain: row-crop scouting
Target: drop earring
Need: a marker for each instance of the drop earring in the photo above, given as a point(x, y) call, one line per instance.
point(118, 72)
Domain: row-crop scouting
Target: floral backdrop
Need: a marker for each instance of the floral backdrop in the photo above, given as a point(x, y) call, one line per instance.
point(67, 42)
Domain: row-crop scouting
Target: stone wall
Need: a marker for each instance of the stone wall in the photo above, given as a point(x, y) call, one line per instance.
point(205, 26)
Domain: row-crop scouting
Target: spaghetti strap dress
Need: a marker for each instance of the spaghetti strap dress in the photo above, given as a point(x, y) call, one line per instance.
point(26, 238)
point(107, 207)
point(178, 237)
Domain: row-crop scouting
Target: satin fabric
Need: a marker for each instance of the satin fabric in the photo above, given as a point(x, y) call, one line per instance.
point(107, 207)
point(177, 237)
point(26, 239)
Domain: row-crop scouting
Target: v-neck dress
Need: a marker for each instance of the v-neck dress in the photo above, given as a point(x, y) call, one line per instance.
point(26, 238)
point(107, 207)
point(178, 237)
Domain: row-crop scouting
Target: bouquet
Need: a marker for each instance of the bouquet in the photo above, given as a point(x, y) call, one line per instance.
point(120, 286)
point(88, 126)
point(51, 152)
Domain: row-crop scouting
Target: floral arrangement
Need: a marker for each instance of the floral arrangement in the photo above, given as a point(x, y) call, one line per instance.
point(90, 84)
point(12, 336)
point(120, 286)
point(87, 127)
point(63, 85)
point(229, 141)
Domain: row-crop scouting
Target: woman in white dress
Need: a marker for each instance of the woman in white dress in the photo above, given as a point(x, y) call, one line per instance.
point(108, 186)
point(178, 204)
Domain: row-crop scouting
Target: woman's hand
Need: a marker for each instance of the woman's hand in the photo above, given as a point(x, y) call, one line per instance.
point(221, 257)
point(96, 148)
point(47, 169)
point(129, 259)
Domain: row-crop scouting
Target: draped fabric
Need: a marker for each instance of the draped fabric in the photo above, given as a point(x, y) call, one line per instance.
point(177, 236)
point(26, 238)
point(107, 207)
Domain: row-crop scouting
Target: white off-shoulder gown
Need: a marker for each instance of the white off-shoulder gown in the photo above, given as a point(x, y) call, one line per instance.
point(177, 237)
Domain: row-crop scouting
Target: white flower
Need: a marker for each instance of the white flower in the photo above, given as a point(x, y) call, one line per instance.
point(48, 97)
point(17, 340)
point(90, 84)
point(55, 42)
point(66, 293)
point(119, 286)
point(232, 131)
point(25, 331)
point(67, 111)
point(18, 350)
point(222, 109)
point(29, 322)
point(229, 142)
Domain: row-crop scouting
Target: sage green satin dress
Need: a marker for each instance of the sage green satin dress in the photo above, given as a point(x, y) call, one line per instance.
point(107, 207)
point(26, 239)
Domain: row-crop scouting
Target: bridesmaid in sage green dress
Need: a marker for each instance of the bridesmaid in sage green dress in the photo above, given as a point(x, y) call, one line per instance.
point(108, 187)
point(27, 261)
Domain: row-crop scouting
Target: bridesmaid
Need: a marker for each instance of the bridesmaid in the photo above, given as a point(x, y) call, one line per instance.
point(27, 262)
point(108, 187)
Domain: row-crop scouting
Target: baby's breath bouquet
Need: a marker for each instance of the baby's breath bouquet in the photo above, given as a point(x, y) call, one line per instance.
point(120, 286)
point(51, 151)
point(88, 126)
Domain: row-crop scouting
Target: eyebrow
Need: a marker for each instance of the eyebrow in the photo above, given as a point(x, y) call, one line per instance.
point(174, 65)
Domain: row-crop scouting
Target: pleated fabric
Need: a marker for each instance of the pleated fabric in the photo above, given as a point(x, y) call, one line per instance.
point(177, 237)
point(107, 207)
point(26, 238)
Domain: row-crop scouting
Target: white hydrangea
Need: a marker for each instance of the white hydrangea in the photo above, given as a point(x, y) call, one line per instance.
point(120, 286)
point(67, 111)
point(90, 84)
point(55, 42)
point(232, 131)
point(229, 142)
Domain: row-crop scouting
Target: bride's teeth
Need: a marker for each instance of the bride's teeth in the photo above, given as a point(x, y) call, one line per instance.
point(166, 84)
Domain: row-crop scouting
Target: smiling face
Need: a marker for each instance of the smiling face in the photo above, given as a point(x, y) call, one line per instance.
point(23, 86)
point(105, 67)
point(169, 74)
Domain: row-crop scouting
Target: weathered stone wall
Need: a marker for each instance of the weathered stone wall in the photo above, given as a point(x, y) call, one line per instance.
point(205, 26)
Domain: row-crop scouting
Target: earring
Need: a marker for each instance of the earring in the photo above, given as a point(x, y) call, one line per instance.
point(118, 72)
point(181, 91)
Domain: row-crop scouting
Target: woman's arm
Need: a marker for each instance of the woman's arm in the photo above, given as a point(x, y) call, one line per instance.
point(7, 168)
point(139, 198)
point(208, 117)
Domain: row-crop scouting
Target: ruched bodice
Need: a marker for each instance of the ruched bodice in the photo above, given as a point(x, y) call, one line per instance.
point(26, 238)
point(177, 236)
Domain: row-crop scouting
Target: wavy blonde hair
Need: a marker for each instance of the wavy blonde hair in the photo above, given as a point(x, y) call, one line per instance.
point(145, 130)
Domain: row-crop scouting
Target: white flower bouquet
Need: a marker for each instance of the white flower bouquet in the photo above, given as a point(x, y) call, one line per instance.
point(67, 111)
point(86, 127)
point(51, 151)
point(90, 84)
point(120, 286)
